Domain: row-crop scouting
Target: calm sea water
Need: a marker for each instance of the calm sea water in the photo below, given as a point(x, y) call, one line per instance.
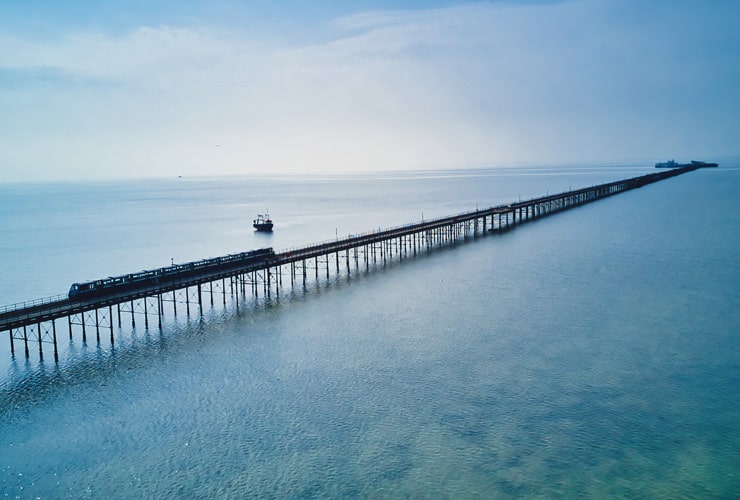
point(595, 353)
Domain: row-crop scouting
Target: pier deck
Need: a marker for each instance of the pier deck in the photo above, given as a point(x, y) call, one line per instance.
point(36, 322)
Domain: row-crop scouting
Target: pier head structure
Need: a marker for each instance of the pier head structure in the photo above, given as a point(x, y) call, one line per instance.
point(102, 307)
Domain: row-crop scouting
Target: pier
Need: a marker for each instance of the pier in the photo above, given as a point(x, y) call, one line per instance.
point(192, 286)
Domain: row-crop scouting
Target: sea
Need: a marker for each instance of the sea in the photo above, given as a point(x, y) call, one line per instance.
point(594, 353)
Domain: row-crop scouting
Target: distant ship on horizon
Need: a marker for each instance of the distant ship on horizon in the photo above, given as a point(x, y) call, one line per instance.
point(675, 164)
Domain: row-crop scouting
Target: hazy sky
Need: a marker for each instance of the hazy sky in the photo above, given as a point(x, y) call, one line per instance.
point(108, 89)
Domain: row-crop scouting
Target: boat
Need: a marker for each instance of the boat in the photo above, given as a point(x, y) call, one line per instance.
point(263, 222)
point(694, 163)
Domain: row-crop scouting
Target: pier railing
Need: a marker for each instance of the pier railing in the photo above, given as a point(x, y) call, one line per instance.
point(33, 303)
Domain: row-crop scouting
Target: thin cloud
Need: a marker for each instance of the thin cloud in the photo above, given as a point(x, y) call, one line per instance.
point(472, 84)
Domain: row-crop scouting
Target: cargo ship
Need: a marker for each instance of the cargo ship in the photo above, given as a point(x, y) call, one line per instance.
point(675, 164)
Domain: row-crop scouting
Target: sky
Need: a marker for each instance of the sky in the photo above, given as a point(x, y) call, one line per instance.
point(108, 89)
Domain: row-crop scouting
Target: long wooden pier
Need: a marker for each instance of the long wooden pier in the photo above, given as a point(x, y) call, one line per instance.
point(36, 323)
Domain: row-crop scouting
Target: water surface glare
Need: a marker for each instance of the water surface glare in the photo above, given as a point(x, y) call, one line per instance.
point(593, 353)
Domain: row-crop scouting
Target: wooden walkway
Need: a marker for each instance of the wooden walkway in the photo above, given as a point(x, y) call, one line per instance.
point(35, 323)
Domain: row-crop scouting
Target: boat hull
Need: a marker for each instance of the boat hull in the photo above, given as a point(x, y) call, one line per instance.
point(263, 226)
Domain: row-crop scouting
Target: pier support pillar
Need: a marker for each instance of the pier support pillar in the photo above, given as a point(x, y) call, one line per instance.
point(160, 313)
point(54, 333)
point(97, 326)
point(41, 349)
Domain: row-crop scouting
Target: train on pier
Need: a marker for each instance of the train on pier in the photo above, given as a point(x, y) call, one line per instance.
point(170, 274)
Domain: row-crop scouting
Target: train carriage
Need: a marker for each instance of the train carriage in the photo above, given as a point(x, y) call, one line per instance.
point(126, 282)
